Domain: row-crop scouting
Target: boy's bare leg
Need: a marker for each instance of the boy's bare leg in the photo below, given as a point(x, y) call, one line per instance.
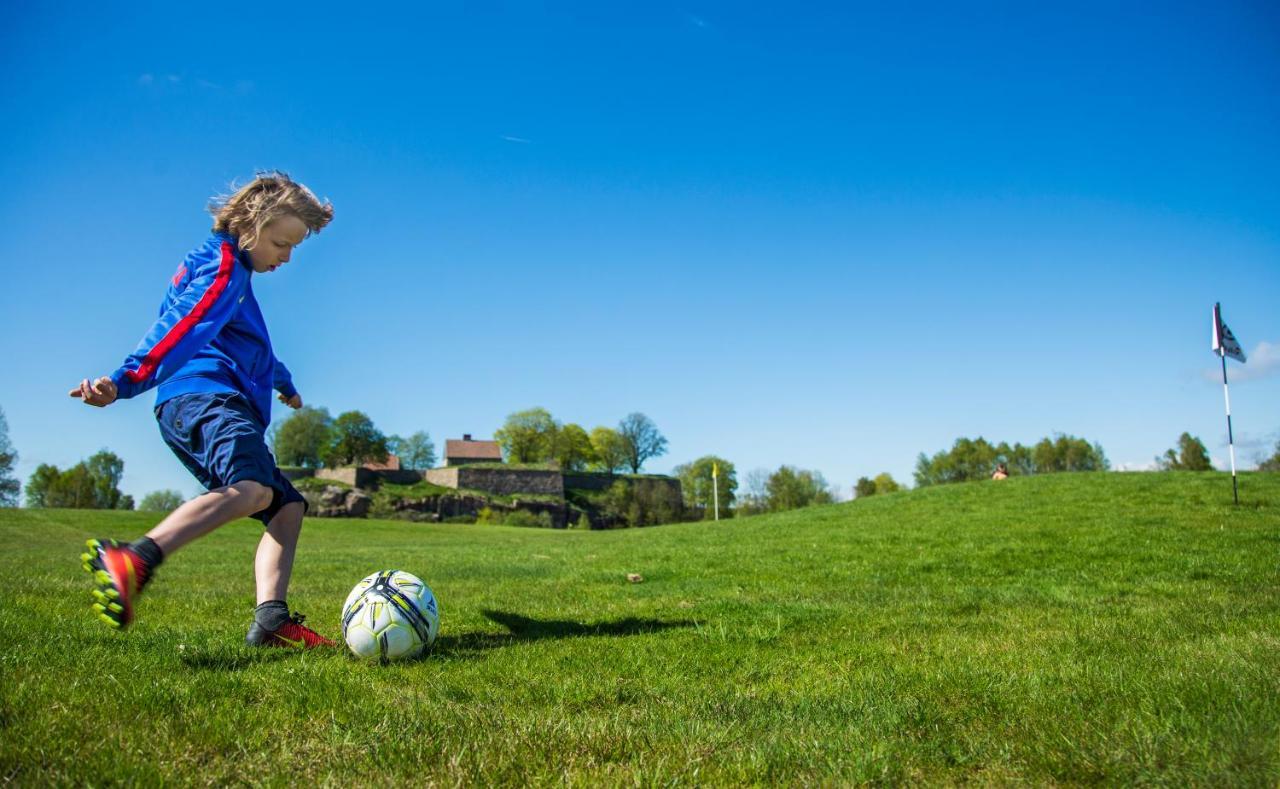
point(205, 513)
point(273, 563)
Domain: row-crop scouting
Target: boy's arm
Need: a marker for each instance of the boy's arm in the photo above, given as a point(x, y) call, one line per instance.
point(199, 313)
point(283, 383)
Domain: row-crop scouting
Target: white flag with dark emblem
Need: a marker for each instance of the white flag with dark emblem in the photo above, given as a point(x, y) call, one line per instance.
point(1224, 342)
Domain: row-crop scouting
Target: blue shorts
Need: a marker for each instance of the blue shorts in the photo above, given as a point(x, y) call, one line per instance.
point(220, 439)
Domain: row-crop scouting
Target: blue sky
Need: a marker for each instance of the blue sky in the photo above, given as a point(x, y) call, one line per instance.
point(828, 235)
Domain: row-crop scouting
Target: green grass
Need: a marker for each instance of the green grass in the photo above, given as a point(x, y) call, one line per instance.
point(1105, 628)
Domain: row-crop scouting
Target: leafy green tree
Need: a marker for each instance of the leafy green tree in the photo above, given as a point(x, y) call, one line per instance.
point(9, 485)
point(1189, 455)
point(968, 459)
point(571, 447)
point(1067, 453)
point(303, 438)
point(865, 486)
point(527, 436)
point(608, 449)
point(886, 484)
point(643, 502)
point(89, 484)
point(106, 469)
point(790, 488)
point(42, 486)
point(1272, 463)
point(643, 441)
point(161, 501)
point(974, 459)
point(417, 452)
point(355, 440)
point(699, 489)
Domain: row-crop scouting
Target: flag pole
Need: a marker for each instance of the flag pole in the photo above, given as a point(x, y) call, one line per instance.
point(1231, 443)
point(715, 486)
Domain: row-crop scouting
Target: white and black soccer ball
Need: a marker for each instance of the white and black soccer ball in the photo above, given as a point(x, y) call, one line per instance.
point(390, 615)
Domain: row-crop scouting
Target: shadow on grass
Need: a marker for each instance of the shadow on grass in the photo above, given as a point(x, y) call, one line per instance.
point(523, 629)
point(520, 629)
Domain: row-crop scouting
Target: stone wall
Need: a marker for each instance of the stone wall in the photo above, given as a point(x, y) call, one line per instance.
point(505, 482)
point(499, 481)
point(444, 477)
point(590, 480)
point(362, 477)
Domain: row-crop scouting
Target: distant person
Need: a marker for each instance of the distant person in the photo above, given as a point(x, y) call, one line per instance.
point(1001, 472)
point(211, 357)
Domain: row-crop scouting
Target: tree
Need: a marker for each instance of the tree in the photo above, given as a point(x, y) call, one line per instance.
point(89, 484)
point(754, 498)
point(9, 485)
point(354, 441)
point(886, 484)
point(303, 438)
point(106, 469)
point(790, 488)
point(527, 436)
point(1189, 455)
point(1272, 463)
point(865, 486)
point(1067, 453)
point(41, 486)
point(609, 449)
point(643, 502)
point(643, 441)
point(699, 489)
point(972, 459)
point(571, 447)
point(417, 452)
point(161, 501)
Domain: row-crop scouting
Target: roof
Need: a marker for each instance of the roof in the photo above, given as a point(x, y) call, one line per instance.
point(472, 450)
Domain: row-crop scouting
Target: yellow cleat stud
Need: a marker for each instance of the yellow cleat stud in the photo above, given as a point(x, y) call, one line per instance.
point(115, 608)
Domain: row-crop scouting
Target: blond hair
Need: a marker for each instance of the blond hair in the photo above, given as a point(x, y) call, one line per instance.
point(270, 195)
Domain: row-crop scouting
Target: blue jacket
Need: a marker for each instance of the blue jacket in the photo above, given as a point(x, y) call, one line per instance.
point(210, 336)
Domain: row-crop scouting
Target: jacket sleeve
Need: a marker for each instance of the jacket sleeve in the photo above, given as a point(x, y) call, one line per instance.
point(283, 380)
point(199, 312)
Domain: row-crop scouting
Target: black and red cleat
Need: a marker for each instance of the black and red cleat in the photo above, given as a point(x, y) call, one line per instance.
point(291, 635)
point(120, 575)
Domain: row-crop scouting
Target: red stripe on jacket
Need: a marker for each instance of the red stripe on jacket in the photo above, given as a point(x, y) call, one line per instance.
point(156, 355)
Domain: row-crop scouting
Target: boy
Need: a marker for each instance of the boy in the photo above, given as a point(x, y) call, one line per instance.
point(210, 355)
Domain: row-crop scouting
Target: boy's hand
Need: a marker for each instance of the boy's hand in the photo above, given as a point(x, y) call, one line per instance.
point(101, 392)
point(292, 402)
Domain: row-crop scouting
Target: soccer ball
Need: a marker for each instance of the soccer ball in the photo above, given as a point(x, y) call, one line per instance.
point(390, 615)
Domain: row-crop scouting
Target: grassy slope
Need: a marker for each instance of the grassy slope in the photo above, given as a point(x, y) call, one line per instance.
point(1078, 628)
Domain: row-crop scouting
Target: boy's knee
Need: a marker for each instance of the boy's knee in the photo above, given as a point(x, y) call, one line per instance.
point(290, 515)
point(257, 495)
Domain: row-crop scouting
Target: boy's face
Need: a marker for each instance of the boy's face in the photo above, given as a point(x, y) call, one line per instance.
point(276, 242)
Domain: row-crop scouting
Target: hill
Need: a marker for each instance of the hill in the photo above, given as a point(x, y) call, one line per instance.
point(1073, 628)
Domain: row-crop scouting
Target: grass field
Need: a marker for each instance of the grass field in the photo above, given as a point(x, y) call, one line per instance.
point(1103, 628)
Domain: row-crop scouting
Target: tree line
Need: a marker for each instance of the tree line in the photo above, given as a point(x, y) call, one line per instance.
point(311, 438)
point(973, 459)
point(534, 436)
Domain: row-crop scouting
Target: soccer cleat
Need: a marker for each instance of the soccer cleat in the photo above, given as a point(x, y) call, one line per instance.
point(120, 575)
point(291, 635)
